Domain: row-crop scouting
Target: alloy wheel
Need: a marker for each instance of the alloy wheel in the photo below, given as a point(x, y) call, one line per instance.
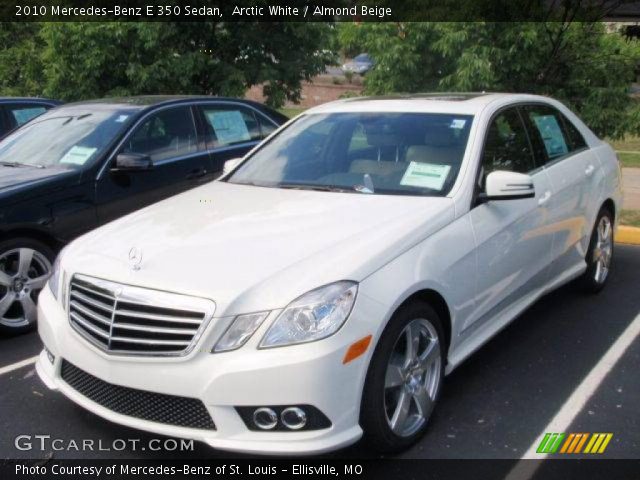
point(23, 273)
point(603, 249)
point(412, 377)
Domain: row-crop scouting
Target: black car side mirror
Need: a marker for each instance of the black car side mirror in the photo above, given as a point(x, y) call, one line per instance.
point(132, 162)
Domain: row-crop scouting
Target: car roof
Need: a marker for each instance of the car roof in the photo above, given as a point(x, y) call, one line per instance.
point(144, 102)
point(29, 99)
point(451, 102)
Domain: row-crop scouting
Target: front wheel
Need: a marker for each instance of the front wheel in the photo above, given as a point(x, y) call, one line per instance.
point(599, 254)
point(404, 379)
point(25, 266)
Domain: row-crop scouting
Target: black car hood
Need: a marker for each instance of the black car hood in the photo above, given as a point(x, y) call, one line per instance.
point(21, 177)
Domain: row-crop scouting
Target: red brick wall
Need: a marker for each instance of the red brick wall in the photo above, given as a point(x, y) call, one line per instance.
point(320, 90)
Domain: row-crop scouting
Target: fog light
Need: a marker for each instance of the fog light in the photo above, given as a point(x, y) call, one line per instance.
point(265, 418)
point(293, 418)
point(50, 355)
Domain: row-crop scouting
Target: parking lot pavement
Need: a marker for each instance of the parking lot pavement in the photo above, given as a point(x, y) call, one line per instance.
point(496, 405)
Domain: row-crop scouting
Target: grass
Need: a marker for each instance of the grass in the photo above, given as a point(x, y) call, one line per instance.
point(630, 217)
point(291, 111)
point(629, 160)
point(628, 151)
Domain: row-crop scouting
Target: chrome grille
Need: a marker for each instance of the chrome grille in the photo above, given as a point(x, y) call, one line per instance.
point(123, 319)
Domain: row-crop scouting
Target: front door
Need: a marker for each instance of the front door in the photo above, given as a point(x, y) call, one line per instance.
point(512, 238)
point(170, 139)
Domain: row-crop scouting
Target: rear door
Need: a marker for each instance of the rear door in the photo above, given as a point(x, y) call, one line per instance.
point(231, 130)
point(571, 167)
point(169, 137)
point(512, 239)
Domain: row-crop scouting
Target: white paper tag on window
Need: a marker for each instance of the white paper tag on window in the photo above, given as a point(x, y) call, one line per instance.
point(458, 123)
point(78, 155)
point(425, 175)
point(121, 118)
point(229, 126)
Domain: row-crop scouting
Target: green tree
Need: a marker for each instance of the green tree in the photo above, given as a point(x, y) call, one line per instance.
point(77, 60)
point(20, 66)
point(579, 63)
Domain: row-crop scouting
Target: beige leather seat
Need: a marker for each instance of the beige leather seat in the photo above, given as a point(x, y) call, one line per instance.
point(440, 148)
point(388, 152)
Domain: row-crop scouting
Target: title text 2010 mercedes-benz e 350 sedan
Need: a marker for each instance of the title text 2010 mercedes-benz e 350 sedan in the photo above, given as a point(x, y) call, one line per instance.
point(323, 288)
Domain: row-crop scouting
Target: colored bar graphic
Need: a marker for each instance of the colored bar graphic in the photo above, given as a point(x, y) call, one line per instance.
point(574, 442)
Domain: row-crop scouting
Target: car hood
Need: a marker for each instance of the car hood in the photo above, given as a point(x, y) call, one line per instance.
point(16, 177)
point(255, 248)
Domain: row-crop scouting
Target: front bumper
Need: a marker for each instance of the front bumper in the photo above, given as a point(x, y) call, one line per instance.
point(311, 374)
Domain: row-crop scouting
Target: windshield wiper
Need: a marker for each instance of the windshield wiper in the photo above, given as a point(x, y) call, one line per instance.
point(319, 188)
point(18, 164)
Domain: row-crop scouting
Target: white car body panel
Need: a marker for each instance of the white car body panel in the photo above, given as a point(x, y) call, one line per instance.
point(253, 249)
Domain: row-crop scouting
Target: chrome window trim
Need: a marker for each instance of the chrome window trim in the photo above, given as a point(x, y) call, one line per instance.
point(166, 107)
point(121, 291)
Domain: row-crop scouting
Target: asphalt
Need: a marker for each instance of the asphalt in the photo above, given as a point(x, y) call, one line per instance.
point(496, 405)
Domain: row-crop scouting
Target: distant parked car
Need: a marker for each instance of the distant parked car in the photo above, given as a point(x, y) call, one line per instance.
point(85, 164)
point(361, 64)
point(16, 111)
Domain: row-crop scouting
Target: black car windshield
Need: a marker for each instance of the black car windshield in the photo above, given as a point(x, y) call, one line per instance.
point(65, 137)
point(376, 153)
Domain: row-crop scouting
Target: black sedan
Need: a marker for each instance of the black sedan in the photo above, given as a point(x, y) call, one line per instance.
point(16, 111)
point(81, 165)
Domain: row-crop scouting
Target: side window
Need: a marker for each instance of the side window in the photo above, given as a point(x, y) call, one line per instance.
point(267, 127)
point(169, 133)
point(547, 122)
point(576, 140)
point(21, 114)
point(229, 125)
point(507, 146)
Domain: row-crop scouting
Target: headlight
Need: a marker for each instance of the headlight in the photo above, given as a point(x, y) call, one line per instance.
point(315, 315)
point(240, 331)
point(55, 279)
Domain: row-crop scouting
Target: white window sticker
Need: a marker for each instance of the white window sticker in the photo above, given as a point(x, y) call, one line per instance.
point(551, 135)
point(426, 175)
point(121, 118)
point(78, 155)
point(228, 126)
point(458, 123)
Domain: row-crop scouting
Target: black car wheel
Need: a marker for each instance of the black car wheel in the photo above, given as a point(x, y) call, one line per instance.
point(25, 266)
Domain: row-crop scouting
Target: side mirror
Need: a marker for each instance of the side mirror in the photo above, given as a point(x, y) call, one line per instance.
point(132, 162)
point(504, 185)
point(229, 165)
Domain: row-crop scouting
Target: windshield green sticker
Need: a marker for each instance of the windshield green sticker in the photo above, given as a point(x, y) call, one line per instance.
point(78, 155)
point(228, 126)
point(425, 175)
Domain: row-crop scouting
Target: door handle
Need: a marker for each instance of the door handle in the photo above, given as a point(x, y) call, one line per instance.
point(589, 170)
point(545, 198)
point(197, 173)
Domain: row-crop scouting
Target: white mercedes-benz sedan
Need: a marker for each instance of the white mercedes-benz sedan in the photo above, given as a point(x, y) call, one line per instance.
point(322, 289)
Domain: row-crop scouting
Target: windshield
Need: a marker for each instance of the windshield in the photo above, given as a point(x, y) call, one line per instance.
point(66, 138)
point(375, 153)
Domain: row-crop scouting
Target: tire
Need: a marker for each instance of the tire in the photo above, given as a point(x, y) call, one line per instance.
point(599, 254)
point(381, 396)
point(25, 265)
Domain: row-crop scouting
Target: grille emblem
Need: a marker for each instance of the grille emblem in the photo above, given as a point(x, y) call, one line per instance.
point(135, 258)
